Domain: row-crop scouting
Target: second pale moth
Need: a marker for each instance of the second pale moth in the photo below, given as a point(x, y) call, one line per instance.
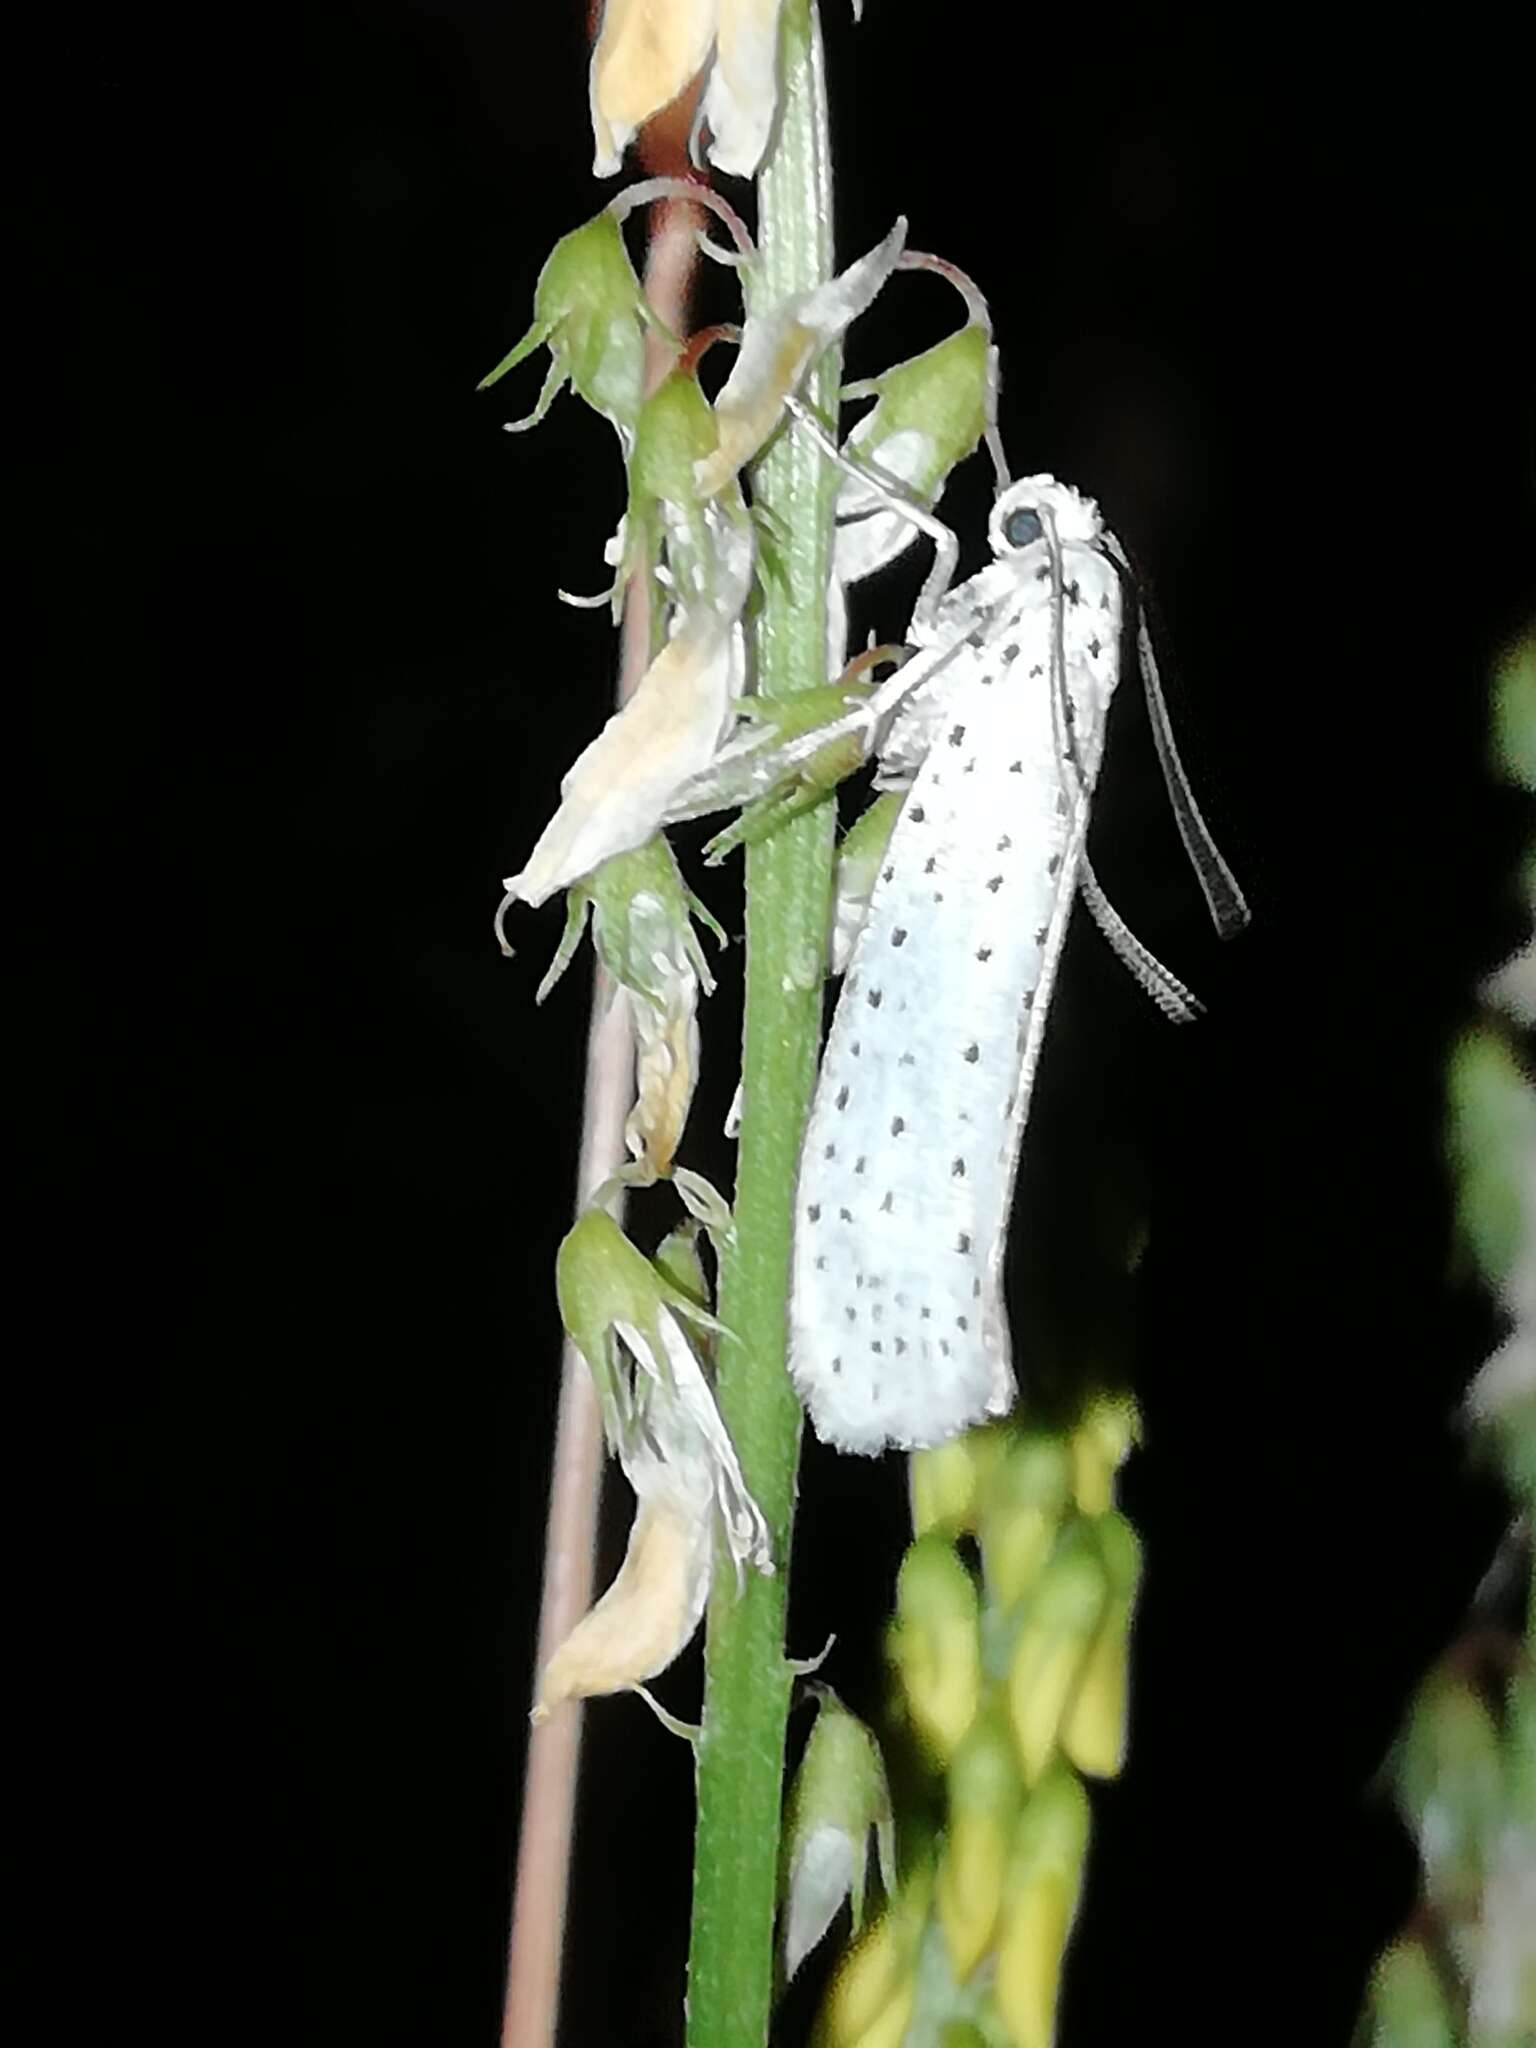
point(898, 1327)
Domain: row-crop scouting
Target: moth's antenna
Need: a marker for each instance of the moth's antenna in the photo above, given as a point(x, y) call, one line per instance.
point(1062, 731)
point(1177, 1003)
point(1224, 898)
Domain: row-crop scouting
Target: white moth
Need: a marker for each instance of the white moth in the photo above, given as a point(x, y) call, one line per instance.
point(899, 1332)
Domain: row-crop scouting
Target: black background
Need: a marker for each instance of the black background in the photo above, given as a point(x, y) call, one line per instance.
point(308, 696)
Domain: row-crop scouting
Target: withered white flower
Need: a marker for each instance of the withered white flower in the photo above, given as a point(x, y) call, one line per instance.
point(649, 50)
point(642, 916)
point(626, 1318)
point(778, 345)
point(616, 791)
point(647, 1617)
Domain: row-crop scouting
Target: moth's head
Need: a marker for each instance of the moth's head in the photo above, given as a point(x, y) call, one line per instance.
point(1016, 521)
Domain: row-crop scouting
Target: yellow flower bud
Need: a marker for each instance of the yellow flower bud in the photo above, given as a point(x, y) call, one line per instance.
point(871, 1998)
point(1043, 1882)
point(1093, 1730)
point(1051, 1649)
point(1024, 1504)
point(949, 1481)
point(1100, 1445)
point(985, 1794)
point(936, 1644)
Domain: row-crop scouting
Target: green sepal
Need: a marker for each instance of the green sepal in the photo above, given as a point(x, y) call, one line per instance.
point(631, 897)
point(590, 312)
point(945, 394)
point(601, 1281)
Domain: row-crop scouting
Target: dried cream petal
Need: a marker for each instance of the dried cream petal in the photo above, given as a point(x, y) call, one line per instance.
point(646, 53)
point(742, 94)
point(646, 1617)
point(666, 1067)
point(617, 790)
point(778, 346)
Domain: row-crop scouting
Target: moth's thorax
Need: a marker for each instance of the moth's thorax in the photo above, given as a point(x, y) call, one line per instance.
point(999, 624)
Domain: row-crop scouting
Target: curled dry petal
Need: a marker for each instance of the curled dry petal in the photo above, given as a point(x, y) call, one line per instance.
point(666, 1037)
point(778, 346)
point(647, 1615)
point(617, 790)
point(742, 94)
point(647, 51)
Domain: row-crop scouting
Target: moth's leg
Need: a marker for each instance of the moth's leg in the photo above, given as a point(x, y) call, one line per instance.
point(772, 744)
point(814, 780)
point(891, 495)
point(1175, 1001)
point(840, 750)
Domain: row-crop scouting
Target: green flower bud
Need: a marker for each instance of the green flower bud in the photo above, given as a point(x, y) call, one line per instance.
point(838, 1797)
point(678, 1261)
point(1514, 713)
point(936, 1644)
point(590, 312)
point(1043, 1884)
point(1408, 2003)
point(1093, 1729)
point(1450, 1788)
point(1492, 1139)
point(1023, 1506)
point(1050, 1651)
point(985, 1794)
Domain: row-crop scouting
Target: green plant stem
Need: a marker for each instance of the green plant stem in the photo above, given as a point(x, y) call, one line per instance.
point(747, 1680)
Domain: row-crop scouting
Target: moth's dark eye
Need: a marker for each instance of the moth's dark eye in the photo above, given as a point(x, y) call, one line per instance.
point(1021, 527)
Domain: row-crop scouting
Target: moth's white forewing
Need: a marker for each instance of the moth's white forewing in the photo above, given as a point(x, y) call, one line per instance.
point(899, 1331)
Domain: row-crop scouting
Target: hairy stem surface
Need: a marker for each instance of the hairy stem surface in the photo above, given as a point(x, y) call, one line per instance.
point(747, 1685)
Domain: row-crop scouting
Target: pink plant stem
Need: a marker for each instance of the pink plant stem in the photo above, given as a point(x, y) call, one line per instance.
point(530, 2013)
